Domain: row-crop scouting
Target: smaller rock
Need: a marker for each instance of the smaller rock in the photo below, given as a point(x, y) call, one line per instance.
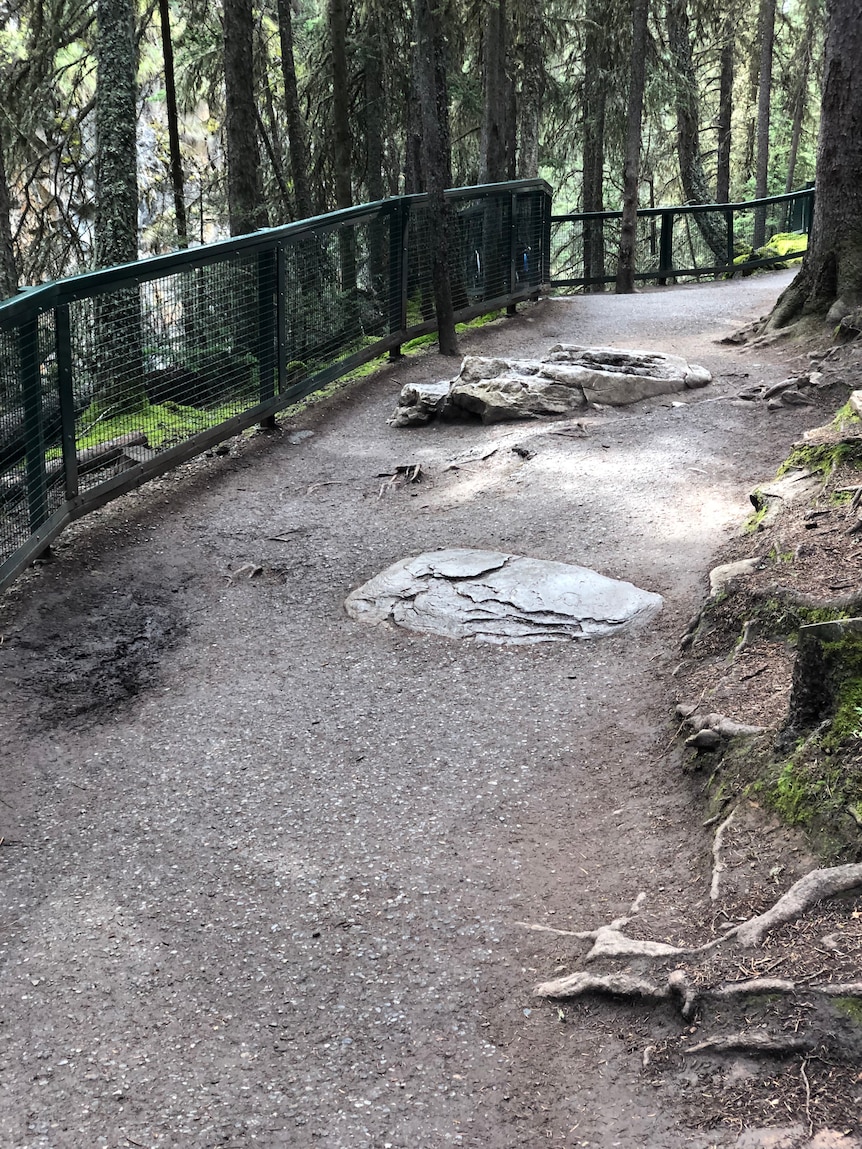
point(418, 403)
point(856, 403)
point(720, 576)
point(704, 740)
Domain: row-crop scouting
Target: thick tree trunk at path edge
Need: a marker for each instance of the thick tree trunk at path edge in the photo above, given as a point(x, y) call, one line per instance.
point(429, 75)
point(626, 264)
point(829, 284)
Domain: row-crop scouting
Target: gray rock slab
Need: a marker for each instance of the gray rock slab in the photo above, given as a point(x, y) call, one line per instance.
point(490, 596)
point(617, 377)
point(418, 403)
point(567, 378)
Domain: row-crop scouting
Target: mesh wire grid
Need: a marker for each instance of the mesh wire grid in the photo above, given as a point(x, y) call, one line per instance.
point(31, 462)
point(138, 369)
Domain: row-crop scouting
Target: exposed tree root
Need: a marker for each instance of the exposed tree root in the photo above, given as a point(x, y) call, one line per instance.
point(752, 1042)
point(813, 888)
point(718, 866)
point(789, 596)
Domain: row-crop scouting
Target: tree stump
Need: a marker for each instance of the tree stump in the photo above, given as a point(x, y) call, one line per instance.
point(827, 674)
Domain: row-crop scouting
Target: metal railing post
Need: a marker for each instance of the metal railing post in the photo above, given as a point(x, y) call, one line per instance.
point(280, 318)
point(34, 427)
point(665, 248)
point(63, 345)
point(512, 309)
point(398, 221)
point(731, 252)
point(266, 329)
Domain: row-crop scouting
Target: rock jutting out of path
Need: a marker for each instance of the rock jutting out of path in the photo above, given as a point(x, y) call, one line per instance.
point(567, 378)
point(489, 596)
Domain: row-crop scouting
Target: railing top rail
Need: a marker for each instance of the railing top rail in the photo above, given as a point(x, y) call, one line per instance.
point(689, 208)
point(62, 291)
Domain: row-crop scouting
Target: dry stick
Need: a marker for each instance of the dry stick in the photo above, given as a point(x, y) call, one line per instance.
point(718, 866)
point(804, 1077)
point(755, 1042)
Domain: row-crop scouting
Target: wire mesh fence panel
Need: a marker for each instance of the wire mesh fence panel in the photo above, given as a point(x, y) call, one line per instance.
point(109, 378)
point(31, 456)
point(14, 519)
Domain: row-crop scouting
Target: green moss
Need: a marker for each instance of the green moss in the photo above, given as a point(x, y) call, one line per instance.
point(850, 1007)
point(164, 423)
point(752, 523)
point(846, 417)
point(823, 458)
point(780, 246)
point(791, 796)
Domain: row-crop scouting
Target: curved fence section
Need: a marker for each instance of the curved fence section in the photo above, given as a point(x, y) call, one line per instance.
point(677, 243)
point(111, 378)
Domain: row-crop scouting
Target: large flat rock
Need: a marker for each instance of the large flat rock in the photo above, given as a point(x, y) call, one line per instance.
point(567, 378)
point(490, 596)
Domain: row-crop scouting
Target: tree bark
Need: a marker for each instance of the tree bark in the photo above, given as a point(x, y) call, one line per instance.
point(764, 97)
point(296, 141)
point(799, 94)
point(497, 147)
point(530, 103)
point(116, 225)
point(8, 268)
point(342, 151)
point(829, 284)
point(120, 374)
point(692, 176)
point(431, 89)
point(595, 113)
point(176, 159)
point(246, 212)
point(372, 52)
point(626, 265)
point(725, 110)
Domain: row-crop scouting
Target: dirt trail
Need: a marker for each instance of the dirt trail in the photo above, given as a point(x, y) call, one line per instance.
point(263, 867)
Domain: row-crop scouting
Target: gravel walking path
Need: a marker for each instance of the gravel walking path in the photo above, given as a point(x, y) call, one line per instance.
point(263, 867)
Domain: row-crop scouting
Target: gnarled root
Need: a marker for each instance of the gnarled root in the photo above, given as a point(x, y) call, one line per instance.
point(813, 888)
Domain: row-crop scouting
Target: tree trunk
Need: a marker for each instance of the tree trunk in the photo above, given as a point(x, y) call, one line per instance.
point(595, 111)
point(8, 269)
point(692, 176)
point(827, 658)
point(764, 97)
point(176, 164)
point(531, 96)
point(626, 266)
point(244, 191)
point(372, 50)
point(799, 94)
point(342, 152)
point(725, 110)
point(430, 79)
point(297, 146)
point(116, 225)
point(830, 282)
point(496, 160)
point(120, 374)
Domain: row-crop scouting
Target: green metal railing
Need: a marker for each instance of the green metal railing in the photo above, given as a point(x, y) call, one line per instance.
point(113, 377)
point(675, 243)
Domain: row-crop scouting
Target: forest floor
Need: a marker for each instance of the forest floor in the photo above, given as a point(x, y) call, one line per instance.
point(267, 875)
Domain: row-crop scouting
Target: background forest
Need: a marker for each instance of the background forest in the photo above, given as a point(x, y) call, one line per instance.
point(129, 129)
